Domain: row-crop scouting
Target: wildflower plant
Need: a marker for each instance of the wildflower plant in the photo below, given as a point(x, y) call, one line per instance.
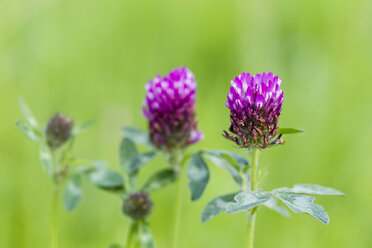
point(57, 159)
point(169, 107)
point(135, 195)
point(255, 104)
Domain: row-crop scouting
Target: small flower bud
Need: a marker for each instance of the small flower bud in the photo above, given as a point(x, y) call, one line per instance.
point(137, 206)
point(255, 103)
point(58, 130)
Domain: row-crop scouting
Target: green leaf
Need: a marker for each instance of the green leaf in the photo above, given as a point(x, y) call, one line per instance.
point(127, 151)
point(159, 180)
point(84, 170)
point(106, 178)
point(247, 200)
point(26, 128)
point(28, 114)
point(138, 136)
point(198, 174)
point(302, 204)
point(46, 159)
point(234, 159)
point(81, 127)
point(115, 245)
point(289, 131)
point(216, 158)
point(99, 164)
point(273, 205)
point(216, 206)
point(311, 189)
point(145, 236)
point(72, 194)
point(140, 160)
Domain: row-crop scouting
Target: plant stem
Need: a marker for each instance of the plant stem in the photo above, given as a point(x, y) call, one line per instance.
point(131, 231)
point(53, 217)
point(255, 154)
point(252, 215)
point(178, 211)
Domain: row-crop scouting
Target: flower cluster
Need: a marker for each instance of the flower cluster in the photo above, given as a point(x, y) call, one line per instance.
point(137, 206)
point(255, 103)
point(58, 130)
point(169, 107)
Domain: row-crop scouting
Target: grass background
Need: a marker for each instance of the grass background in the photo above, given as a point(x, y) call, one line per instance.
point(91, 59)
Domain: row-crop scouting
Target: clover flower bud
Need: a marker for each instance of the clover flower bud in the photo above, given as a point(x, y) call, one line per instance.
point(137, 206)
point(58, 130)
point(255, 103)
point(169, 106)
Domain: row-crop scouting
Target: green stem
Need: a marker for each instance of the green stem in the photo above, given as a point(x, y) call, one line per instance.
point(178, 211)
point(251, 224)
point(252, 215)
point(255, 154)
point(131, 232)
point(53, 217)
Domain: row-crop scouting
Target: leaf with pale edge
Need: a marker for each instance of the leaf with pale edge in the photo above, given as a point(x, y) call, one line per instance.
point(235, 159)
point(273, 205)
point(127, 151)
point(72, 194)
point(26, 128)
point(285, 131)
point(216, 206)
point(138, 136)
point(160, 180)
point(247, 200)
point(311, 189)
point(216, 158)
point(145, 236)
point(140, 160)
point(81, 127)
point(106, 178)
point(46, 159)
point(28, 114)
point(198, 174)
point(302, 204)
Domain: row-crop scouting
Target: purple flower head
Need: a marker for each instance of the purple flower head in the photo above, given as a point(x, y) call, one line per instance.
point(255, 103)
point(169, 107)
point(137, 205)
point(58, 130)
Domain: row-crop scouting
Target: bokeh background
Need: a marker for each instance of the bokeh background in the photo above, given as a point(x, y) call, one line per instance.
point(91, 59)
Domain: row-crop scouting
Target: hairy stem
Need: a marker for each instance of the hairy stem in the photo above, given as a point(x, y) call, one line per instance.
point(178, 211)
point(255, 154)
point(53, 217)
point(131, 232)
point(252, 215)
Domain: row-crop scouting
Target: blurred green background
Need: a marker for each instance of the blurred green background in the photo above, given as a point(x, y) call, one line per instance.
point(91, 59)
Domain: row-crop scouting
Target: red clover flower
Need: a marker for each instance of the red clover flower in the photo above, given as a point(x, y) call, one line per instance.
point(169, 106)
point(255, 103)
